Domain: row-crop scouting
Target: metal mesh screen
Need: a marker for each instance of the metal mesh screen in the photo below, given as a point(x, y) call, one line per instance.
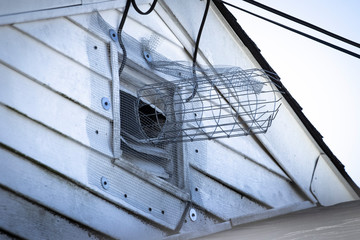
point(232, 103)
point(163, 159)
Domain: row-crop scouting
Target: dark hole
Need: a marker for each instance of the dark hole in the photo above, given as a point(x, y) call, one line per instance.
point(193, 215)
point(97, 132)
point(105, 183)
point(147, 55)
point(150, 209)
point(163, 212)
point(114, 35)
point(125, 195)
point(185, 221)
point(95, 47)
point(106, 103)
point(196, 150)
point(195, 114)
point(151, 120)
point(196, 189)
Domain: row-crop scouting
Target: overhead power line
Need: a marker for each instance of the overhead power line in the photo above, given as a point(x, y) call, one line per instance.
point(302, 22)
point(296, 31)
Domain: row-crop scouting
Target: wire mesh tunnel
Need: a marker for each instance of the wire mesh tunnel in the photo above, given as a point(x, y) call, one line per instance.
point(234, 102)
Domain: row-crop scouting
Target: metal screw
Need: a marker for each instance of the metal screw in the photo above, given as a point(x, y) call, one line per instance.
point(113, 35)
point(105, 183)
point(147, 56)
point(193, 215)
point(105, 102)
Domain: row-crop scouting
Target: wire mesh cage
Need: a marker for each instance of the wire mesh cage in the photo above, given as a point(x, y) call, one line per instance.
point(232, 103)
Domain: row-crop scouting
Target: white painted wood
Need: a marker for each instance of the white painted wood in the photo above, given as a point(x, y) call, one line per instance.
point(30, 221)
point(40, 143)
point(72, 41)
point(247, 177)
point(66, 77)
point(93, 1)
point(170, 49)
point(170, 188)
point(217, 38)
point(111, 16)
point(174, 25)
point(154, 23)
point(179, 31)
point(54, 192)
point(65, 11)
point(55, 111)
point(218, 199)
point(46, 146)
point(8, 7)
point(135, 25)
point(137, 29)
point(86, 167)
point(247, 147)
point(293, 148)
point(327, 184)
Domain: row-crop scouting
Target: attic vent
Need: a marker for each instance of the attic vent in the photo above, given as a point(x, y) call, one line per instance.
point(152, 120)
point(140, 120)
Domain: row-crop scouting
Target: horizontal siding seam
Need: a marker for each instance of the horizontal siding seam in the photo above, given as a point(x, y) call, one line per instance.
point(56, 131)
point(61, 53)
point(249, 196)
point(93, 111)
point(32, 201)
point(252, 160)
point(11, 236)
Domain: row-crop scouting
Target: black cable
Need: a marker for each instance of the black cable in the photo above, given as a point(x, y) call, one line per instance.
point(197, 48)
point(200, 31)
point(297, 31)
point(121, 26)
point(141, 12)
point(302, 22)
point(119, 33)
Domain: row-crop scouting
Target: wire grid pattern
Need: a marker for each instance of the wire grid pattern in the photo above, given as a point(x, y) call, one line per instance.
point(232, 103)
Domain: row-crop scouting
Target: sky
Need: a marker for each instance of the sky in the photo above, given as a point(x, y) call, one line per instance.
point(324, 81)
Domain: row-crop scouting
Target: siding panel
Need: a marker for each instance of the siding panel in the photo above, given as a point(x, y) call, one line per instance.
point(247, 177)
point(72, 41)
point(18, 6)
point(53, 70)
point(54, 192)
point(86, 167)
point(54, 111)
point(220, 200)
point(30, 221)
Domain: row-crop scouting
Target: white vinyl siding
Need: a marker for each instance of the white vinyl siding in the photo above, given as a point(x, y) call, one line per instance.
point(20, 6)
